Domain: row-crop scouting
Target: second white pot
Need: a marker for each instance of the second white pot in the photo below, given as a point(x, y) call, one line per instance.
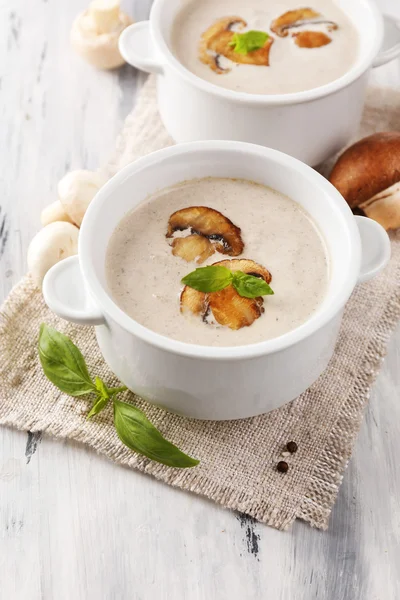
point(310, 125)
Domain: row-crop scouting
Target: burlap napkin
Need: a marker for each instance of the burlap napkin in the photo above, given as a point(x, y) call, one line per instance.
point(238, 458)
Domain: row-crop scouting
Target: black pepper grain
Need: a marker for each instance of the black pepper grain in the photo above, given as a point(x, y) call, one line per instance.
point(292, 447)
point(282, 466)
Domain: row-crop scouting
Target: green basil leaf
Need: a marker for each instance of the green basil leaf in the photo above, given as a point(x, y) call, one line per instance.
point(103, 396)
point(209, 279)
point(139, 434)
point(103, 391)
point(100, 403)
point(63, 363)
point(250, 286)
point(243, 43)
point(116, 390)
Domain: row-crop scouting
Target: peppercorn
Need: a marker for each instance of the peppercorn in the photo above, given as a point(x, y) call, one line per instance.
point(282, 466)
point(292, 447)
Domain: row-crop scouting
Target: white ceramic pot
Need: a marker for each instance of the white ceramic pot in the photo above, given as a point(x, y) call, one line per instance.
point(202, 381)
point(310, 125)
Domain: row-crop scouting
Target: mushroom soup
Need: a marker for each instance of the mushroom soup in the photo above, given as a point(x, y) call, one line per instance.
point(264, 47)
point(269, 264)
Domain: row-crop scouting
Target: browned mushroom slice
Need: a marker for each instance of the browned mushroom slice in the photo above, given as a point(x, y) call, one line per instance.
point(260, 57)
point(227, 307)
point(224, 24)
point(213, 61)
point(246, 266)
point(299, 18)
point(311, 39)
point(216, 42)
point(193, 301)
point(234, 311)
point(210, 36)
point(211, 224)
point(193, 247)
point(231, 309)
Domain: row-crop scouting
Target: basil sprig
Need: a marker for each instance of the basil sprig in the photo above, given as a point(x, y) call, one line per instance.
point(64, 365)
point(246, 42)
point(135, 431)
point(215, 278)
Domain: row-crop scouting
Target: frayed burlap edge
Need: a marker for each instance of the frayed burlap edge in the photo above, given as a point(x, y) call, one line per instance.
point(330, 468)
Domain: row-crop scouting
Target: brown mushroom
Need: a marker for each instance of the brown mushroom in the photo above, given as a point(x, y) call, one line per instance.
point(209, 223)
point(193, 247)
point(234, 311)
point(216, 42)
point(311, 39)
point(227, 307)
point(367, 174)
point(194, 301)
point(299, 18)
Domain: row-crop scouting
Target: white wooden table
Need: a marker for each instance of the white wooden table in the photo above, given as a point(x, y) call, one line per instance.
point(75, 526)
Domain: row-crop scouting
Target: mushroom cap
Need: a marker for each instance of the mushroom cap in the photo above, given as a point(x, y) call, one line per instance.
point(211, 224)
point(368, 167)
point(51, 244)
point(100, 49)
point(76, 190)
point(385, 207)
point(54, 212)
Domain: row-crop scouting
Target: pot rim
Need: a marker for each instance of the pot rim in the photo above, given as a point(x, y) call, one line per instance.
point(307, 329)
point(359, 68)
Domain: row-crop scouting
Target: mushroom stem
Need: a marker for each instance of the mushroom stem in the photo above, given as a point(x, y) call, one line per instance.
point(105, 14)
point(54, 212)
point(384, 207)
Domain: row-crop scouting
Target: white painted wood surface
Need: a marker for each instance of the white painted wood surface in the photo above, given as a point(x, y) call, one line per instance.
point(73, 525)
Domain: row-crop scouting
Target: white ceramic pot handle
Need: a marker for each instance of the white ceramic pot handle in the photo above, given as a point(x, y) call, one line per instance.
point(391, 43)
point(376, 249)
point(137, 48)
point(65, 294)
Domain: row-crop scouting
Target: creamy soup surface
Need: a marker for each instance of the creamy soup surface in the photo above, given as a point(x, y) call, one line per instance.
point(291, 68)
point(144, 277)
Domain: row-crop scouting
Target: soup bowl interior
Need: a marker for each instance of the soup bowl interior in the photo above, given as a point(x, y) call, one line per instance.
point(364, 15)
point(173, 165)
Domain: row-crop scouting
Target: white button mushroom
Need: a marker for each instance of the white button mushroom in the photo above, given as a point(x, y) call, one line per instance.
point(54, 212)
point(51, 244)
point(95, 33)
point(76, 190)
